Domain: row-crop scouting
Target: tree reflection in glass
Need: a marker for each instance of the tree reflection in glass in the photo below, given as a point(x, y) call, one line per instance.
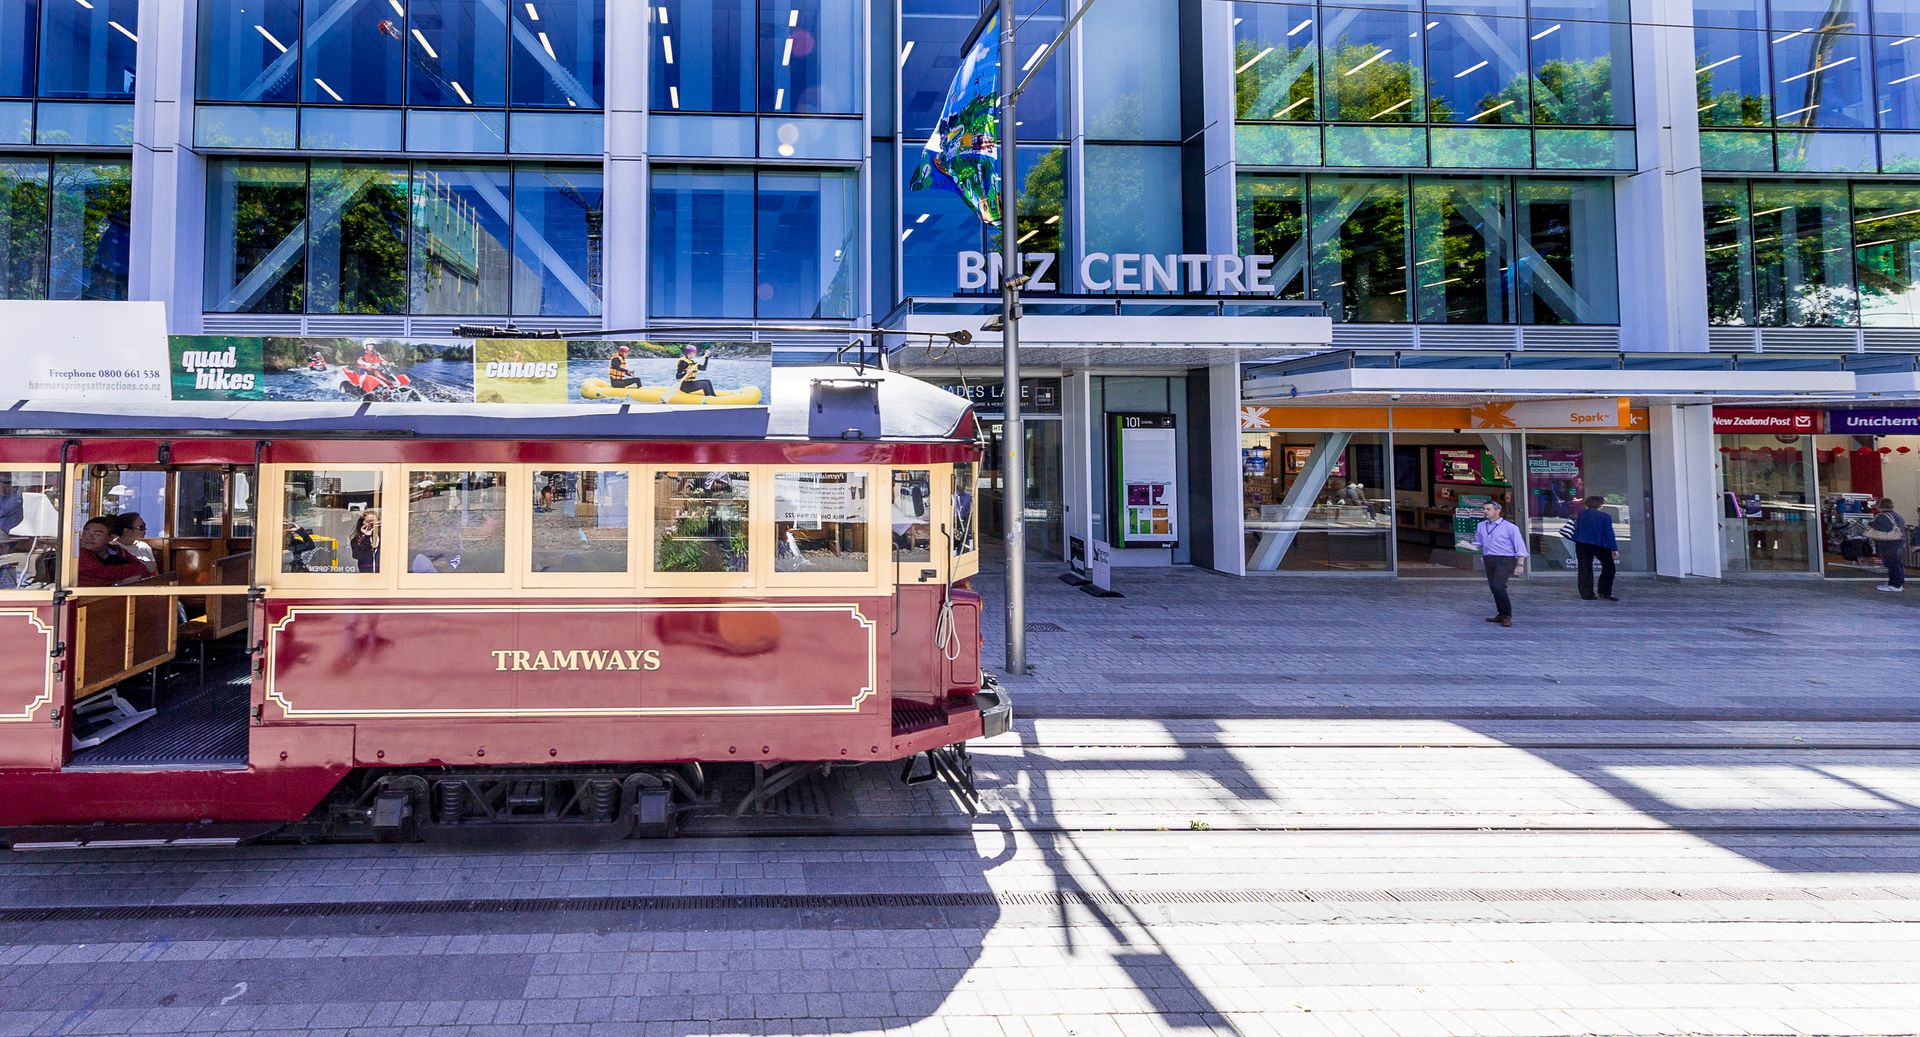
point(1803, 254)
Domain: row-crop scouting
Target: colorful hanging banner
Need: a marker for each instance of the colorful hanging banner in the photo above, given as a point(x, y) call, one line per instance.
point(963, 153)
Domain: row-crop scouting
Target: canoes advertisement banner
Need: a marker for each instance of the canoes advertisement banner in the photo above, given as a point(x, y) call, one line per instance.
point(963, 153)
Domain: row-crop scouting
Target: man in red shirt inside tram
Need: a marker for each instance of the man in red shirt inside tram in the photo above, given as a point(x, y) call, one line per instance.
point(104, 563)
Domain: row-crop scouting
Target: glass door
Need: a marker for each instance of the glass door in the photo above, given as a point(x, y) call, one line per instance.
point(1044, 510)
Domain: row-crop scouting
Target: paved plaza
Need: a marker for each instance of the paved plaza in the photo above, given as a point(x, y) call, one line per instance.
point(1259, 806)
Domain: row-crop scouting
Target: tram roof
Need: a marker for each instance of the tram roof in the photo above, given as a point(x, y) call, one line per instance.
point(831, 402)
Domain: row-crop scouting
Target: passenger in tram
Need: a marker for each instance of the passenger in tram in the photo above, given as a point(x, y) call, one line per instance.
point(129, 527)
point(104, 563)
point(619, 375)
point(687, 369)
point(13, 508)
point(365, 543)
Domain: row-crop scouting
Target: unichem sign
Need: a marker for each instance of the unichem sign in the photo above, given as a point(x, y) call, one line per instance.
point(1185, 273)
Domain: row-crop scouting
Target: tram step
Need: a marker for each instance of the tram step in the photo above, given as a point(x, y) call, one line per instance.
point(126, 837)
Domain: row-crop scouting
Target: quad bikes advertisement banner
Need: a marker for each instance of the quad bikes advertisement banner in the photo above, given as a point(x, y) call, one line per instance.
point(549, 372)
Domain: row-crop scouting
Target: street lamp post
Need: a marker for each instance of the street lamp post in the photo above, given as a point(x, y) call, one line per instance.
point(1013, 474)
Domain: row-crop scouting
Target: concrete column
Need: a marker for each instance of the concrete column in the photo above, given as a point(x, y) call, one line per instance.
point(1229, 510)
point(1216, 35)
point(629, 49)
point(1663, 276)
point(168, 240)
point(1686, 490)
point(1076, 450)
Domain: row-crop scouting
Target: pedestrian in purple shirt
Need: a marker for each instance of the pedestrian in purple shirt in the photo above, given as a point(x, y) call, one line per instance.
point(1503, 552)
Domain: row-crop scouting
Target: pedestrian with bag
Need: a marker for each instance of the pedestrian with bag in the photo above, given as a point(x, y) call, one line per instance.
point(1593, 541)
point(1503, 552)
point(1888, 531)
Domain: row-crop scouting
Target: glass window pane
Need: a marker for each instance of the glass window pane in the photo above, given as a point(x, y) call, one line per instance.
point(931, 35)
point(1768, 521)
point(87, 50)
point(456, 522)
point(460, 256)
point(1897, 68)
point(702, 242)
point(912, 521)
point(331, 522)
point(700, 522)
point(1896, 17)
point(580, 521)
point(1886, 229)
point(200, 504)
point(92, 207)
point(1138, 205)
point(1582, 73)
point(1316, 501)
point(810, 56)
point(353, 52)
point(809, 244)
point(557, 240)
point(1803, 254)
point(966, 479)
point(1729, 253)
point(1360, 247)
point(1272, 217)
point(1044, 103)
point(1477, 70)
point(1563, 471)
point(935, 225)
point(256, 256)
point(359, 249)
point(1736, 14)
point(1131, 70)
point(1837, 15)
point(1820, 79)
point(1566, 269)
point(820, 522)
point(1276, 61)
point(703, 55)
point(1730, 70)
point(559, 53)
point(1461, 254)
point(29, 526)
point(456, 54)
point(1042, 204)
point(19, 31)
point(240, 514)
point(249, 52)
point(23, 230)
point(1372, 65)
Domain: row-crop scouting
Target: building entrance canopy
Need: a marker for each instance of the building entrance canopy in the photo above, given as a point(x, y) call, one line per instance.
point(1107, 331)
point(1353, 378)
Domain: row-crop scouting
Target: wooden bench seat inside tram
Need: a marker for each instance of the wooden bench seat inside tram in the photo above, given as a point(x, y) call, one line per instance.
point(116, 638)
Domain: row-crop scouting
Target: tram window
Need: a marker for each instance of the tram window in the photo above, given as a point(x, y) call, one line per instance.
point(457, 522)
point(820, 522)
point(700, 522)
point(200, 504)
point(965, 478)
point(129, 492)
point(912, 522)
point(580, 521)
point(29, 528)
point(241, 524)
point(330, 522)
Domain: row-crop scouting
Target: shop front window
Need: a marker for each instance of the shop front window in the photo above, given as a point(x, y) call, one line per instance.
point(1316, 501)
point(1563, 471)
point(1768, 515)
point(1854, 474)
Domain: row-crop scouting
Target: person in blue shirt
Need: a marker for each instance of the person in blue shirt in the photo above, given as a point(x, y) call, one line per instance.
point(1503, 552)
point(1593, 541)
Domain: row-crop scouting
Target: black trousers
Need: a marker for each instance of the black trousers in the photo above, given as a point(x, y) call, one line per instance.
point(1587, 554)
point(1499, 571)
point(1896, 562)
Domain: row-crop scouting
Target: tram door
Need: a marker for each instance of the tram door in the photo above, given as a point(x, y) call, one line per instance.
point(1043, 478)
point(162, 559)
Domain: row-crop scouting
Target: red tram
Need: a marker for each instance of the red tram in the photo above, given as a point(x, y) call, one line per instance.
point(375, 620)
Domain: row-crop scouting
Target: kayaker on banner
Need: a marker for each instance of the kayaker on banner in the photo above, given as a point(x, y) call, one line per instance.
point(619, 375)
point(687, 369)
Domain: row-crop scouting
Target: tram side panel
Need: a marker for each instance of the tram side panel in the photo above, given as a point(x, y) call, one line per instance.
point(33, 689)
point(498, 683)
